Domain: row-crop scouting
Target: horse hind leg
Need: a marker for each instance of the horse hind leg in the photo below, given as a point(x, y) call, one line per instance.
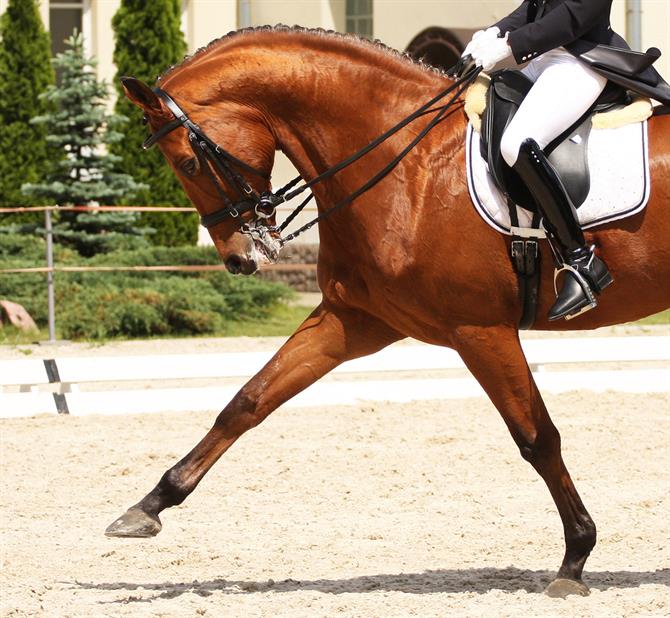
point(326, 339)
point(496, 359)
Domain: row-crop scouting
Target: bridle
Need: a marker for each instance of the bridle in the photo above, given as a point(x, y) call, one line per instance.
point(210, 155)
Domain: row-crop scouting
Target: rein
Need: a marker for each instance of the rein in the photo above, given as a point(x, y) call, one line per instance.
point(212, 157)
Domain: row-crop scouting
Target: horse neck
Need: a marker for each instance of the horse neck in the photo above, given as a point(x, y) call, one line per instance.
point(339, 104)
point(323, 97)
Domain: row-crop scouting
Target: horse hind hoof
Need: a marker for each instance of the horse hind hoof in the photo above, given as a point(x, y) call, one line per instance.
point(560, 588)
point(134, 523)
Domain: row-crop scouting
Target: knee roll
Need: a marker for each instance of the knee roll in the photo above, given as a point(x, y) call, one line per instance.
point(510, 145)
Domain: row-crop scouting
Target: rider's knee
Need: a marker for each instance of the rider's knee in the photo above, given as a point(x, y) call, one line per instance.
point(509, 147)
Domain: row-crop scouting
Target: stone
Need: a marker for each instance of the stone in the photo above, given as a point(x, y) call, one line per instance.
point(16, 315)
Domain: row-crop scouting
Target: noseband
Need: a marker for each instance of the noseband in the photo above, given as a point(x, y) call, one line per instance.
point(211, 155)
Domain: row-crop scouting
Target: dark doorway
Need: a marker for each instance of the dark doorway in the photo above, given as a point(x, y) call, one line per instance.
point(436, 46)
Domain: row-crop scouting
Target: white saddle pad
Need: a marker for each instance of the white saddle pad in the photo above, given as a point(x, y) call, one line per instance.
point(620, 185)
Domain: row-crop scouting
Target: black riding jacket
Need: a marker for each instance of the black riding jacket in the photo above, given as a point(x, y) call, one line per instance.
point(581, 26)
point(538, 26)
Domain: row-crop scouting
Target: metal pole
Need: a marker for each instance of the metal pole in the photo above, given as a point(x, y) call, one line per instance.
point(634, 23)
point(244, 14)
point(51, 301)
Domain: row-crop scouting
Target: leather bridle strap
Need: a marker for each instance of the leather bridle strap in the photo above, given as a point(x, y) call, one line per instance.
point(211, 155)
point(162, 132)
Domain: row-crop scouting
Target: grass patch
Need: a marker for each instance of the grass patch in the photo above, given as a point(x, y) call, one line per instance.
point(659, 318)
point(282, 322)
point(13, 336)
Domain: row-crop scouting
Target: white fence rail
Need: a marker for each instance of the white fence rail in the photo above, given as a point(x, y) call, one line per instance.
point(62, 377)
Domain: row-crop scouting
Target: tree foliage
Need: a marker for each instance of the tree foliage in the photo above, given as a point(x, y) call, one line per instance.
point(25, 73)
point(80, 128)
point(148, 41)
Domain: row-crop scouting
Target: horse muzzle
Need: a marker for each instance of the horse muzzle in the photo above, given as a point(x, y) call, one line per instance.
point(241, 265)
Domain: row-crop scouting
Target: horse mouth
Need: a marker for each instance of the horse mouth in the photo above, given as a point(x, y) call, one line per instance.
point(265, 250)
point(261, 253)
point(236, 265)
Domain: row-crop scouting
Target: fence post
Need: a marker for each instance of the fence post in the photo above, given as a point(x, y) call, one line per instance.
point(50, 277)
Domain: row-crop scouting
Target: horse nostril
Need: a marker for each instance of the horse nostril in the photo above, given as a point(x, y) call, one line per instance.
point(234, 264)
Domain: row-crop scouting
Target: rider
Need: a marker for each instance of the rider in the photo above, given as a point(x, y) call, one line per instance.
point(565, 87)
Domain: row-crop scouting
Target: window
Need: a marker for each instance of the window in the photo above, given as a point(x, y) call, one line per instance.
point(359, 17)
point(64, 18)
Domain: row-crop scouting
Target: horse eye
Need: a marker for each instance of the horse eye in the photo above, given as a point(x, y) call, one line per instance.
point(189, 167)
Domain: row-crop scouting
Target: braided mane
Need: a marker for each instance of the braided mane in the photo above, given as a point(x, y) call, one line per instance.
point(351, 39)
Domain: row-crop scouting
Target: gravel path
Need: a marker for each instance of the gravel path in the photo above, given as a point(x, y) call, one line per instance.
point(350, 511)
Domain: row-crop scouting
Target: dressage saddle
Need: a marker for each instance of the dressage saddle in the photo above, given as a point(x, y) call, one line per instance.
point(568, 153)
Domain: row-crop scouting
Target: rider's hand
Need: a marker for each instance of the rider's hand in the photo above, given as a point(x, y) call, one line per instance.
point(479, 38)
point(491, 53)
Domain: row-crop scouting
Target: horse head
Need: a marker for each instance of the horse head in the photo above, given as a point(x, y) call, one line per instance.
point(243, 133)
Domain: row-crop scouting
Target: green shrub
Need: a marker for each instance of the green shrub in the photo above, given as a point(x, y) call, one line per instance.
point(101, 305)
point(22, 247)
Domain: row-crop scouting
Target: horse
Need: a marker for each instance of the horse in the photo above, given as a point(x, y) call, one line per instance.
point(409, 258)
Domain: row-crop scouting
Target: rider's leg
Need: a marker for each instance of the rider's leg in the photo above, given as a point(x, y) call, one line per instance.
point(585, 273)
point(563, 91)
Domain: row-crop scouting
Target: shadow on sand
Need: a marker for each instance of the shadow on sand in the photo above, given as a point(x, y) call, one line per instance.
point(455, 581)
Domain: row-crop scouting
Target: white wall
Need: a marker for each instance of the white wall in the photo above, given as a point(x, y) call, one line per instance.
point(328, 14)
point(656, 31)
point(397, 22)
point(208, 20)
point(101, 37)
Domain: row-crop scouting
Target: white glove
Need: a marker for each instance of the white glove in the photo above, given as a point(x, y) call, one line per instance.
point(479, 38)
point(491, 53)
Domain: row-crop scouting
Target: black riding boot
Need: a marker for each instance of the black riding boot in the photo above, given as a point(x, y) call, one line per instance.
point(585, 273)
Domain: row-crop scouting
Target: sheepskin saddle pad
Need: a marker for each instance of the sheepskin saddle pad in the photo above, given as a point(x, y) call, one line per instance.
point(618, 162)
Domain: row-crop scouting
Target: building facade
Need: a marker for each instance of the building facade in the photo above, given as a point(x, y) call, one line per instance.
point(435, 30)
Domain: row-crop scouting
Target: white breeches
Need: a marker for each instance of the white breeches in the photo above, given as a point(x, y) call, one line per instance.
point(564, 89)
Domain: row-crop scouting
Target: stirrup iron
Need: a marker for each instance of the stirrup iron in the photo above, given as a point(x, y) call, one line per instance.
point(584, 278)
point(583, 283)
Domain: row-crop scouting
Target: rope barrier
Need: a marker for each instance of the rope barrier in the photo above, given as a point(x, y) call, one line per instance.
point(24, 209)
point(181, 268)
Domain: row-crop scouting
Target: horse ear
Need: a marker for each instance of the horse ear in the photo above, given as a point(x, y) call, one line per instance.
point(140, 94)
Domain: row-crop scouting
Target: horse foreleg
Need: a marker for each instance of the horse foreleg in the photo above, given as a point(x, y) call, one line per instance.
point(323, 341)
point(496, 359)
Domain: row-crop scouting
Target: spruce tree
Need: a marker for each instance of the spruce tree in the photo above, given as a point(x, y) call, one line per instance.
point(80, 128)
point(148, 41)
point(25, 72)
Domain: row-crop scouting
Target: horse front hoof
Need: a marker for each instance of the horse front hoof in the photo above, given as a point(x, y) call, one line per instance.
point(134, 523)
point(561, 588)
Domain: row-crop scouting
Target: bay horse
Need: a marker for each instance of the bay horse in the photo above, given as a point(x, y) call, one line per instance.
point(409, 258)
